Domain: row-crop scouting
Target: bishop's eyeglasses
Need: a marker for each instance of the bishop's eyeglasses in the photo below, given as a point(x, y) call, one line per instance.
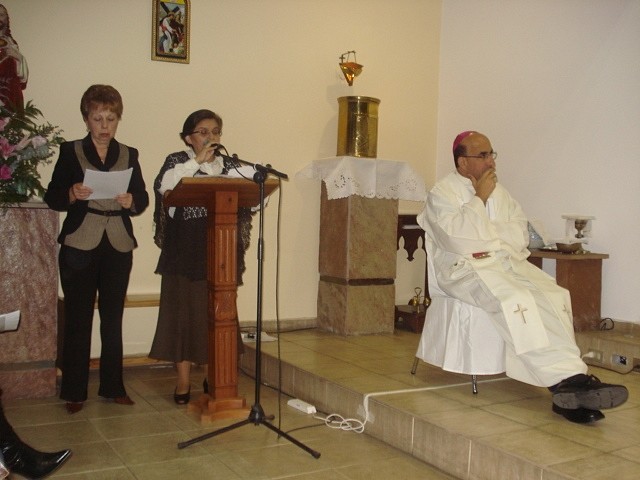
point(484, 155)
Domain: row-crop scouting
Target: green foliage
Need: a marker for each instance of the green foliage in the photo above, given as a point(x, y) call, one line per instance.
point(25, 144)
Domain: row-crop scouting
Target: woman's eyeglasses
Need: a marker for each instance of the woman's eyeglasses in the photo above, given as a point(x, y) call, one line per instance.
point(205, 133)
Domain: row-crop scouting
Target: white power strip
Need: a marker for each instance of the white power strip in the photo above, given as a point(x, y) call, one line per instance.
point(301, 405)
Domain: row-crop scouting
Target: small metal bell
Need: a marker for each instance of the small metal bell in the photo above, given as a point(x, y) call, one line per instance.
point(415, 301)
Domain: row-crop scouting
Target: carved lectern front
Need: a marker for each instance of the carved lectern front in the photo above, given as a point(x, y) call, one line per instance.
point(222, 197)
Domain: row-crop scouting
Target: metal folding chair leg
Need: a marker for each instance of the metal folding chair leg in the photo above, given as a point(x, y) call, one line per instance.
point(474, 378)
point(415, 365)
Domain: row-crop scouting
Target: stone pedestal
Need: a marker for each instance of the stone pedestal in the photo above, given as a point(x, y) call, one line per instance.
point(357, 263)
point(29, 273)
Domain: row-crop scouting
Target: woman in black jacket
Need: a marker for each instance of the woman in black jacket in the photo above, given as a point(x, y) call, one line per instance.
point(97, 243)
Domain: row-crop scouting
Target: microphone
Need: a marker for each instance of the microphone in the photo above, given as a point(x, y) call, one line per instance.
point(216, 148)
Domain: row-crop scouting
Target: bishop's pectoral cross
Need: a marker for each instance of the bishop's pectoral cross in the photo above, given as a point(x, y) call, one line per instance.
point(520, 309)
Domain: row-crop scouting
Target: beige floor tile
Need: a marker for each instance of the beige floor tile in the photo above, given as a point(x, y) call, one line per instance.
point(59, 436)
point(600, 467)
point(474, 422)
point(153, 448)
point(203, 467)
point(370, 383)
point(331, 474)
point(531, 411)
point(421, 403)
point(539, 447)
point(616, 431)
point(141, 425)
point(406, 468)
point(90, 457)
point(120, 473)
point(505, 431)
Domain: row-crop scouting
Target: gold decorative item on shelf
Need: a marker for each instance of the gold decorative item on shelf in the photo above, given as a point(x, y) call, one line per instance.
point(358, 126)
point(350, 69)
point(427, 301)
point(415, 300)
point(419, 302)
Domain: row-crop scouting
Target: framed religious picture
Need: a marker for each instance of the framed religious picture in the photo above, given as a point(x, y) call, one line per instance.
point(171, 31)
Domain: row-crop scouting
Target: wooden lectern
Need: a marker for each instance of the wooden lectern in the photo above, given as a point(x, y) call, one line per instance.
point(222, 197)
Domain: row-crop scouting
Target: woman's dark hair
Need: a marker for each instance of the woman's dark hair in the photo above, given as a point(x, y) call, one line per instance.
point(194, 119)
point(101, 95)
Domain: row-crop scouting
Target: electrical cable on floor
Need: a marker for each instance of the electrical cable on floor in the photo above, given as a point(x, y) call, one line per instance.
point(353, 424)
point(340, 423)
point(606, 324)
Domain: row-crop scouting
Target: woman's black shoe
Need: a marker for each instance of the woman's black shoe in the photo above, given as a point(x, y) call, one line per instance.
point(205, 386)
point(181, 398)
point(20, 458)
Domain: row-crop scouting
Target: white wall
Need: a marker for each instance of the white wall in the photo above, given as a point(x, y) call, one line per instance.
point(270, 68)
point(555, 84)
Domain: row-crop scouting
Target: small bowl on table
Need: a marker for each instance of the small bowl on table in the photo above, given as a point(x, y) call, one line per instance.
point(568, 247)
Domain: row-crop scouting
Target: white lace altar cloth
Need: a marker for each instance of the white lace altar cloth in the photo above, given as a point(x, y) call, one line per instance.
point(366, 177)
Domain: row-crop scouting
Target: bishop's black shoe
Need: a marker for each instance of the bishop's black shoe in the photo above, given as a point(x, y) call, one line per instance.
point(587, 391)
point(578, 415)
point(20, 458)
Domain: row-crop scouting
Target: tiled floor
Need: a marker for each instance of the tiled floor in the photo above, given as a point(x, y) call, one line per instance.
point(507, 431)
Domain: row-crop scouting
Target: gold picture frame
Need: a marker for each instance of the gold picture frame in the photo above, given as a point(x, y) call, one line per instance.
point(171, 31)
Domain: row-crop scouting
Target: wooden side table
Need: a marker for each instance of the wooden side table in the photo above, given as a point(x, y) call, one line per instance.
point(408, 317)
point(581, 274)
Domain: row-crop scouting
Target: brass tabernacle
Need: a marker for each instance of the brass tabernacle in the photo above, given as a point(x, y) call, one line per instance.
point(358, 126)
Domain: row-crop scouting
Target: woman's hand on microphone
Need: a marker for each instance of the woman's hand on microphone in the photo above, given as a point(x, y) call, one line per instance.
point(207, 154)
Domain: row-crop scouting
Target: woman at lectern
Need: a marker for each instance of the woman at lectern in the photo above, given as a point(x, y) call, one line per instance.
point(97, 245)
point(181, 233)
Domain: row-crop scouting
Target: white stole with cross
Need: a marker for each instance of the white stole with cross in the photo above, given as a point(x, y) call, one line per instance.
point(518, 307)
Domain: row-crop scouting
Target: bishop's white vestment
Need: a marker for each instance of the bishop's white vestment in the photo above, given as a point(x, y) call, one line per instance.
point(479, 254)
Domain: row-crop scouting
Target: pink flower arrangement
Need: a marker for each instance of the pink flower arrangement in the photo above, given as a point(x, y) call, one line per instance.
point(24, 145)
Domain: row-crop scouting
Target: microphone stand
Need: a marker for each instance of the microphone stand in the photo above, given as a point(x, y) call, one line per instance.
point(264, 169)
point(256, 415)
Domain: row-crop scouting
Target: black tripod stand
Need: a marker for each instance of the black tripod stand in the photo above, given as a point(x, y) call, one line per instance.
point(256, 415)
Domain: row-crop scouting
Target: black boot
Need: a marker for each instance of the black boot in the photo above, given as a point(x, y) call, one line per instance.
point(20, 458)
point(4, 473)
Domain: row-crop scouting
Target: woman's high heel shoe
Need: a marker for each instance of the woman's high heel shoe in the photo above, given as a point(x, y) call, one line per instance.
point(205, 386)
point(74, 407)
point(181, 398)
point(124, 400)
